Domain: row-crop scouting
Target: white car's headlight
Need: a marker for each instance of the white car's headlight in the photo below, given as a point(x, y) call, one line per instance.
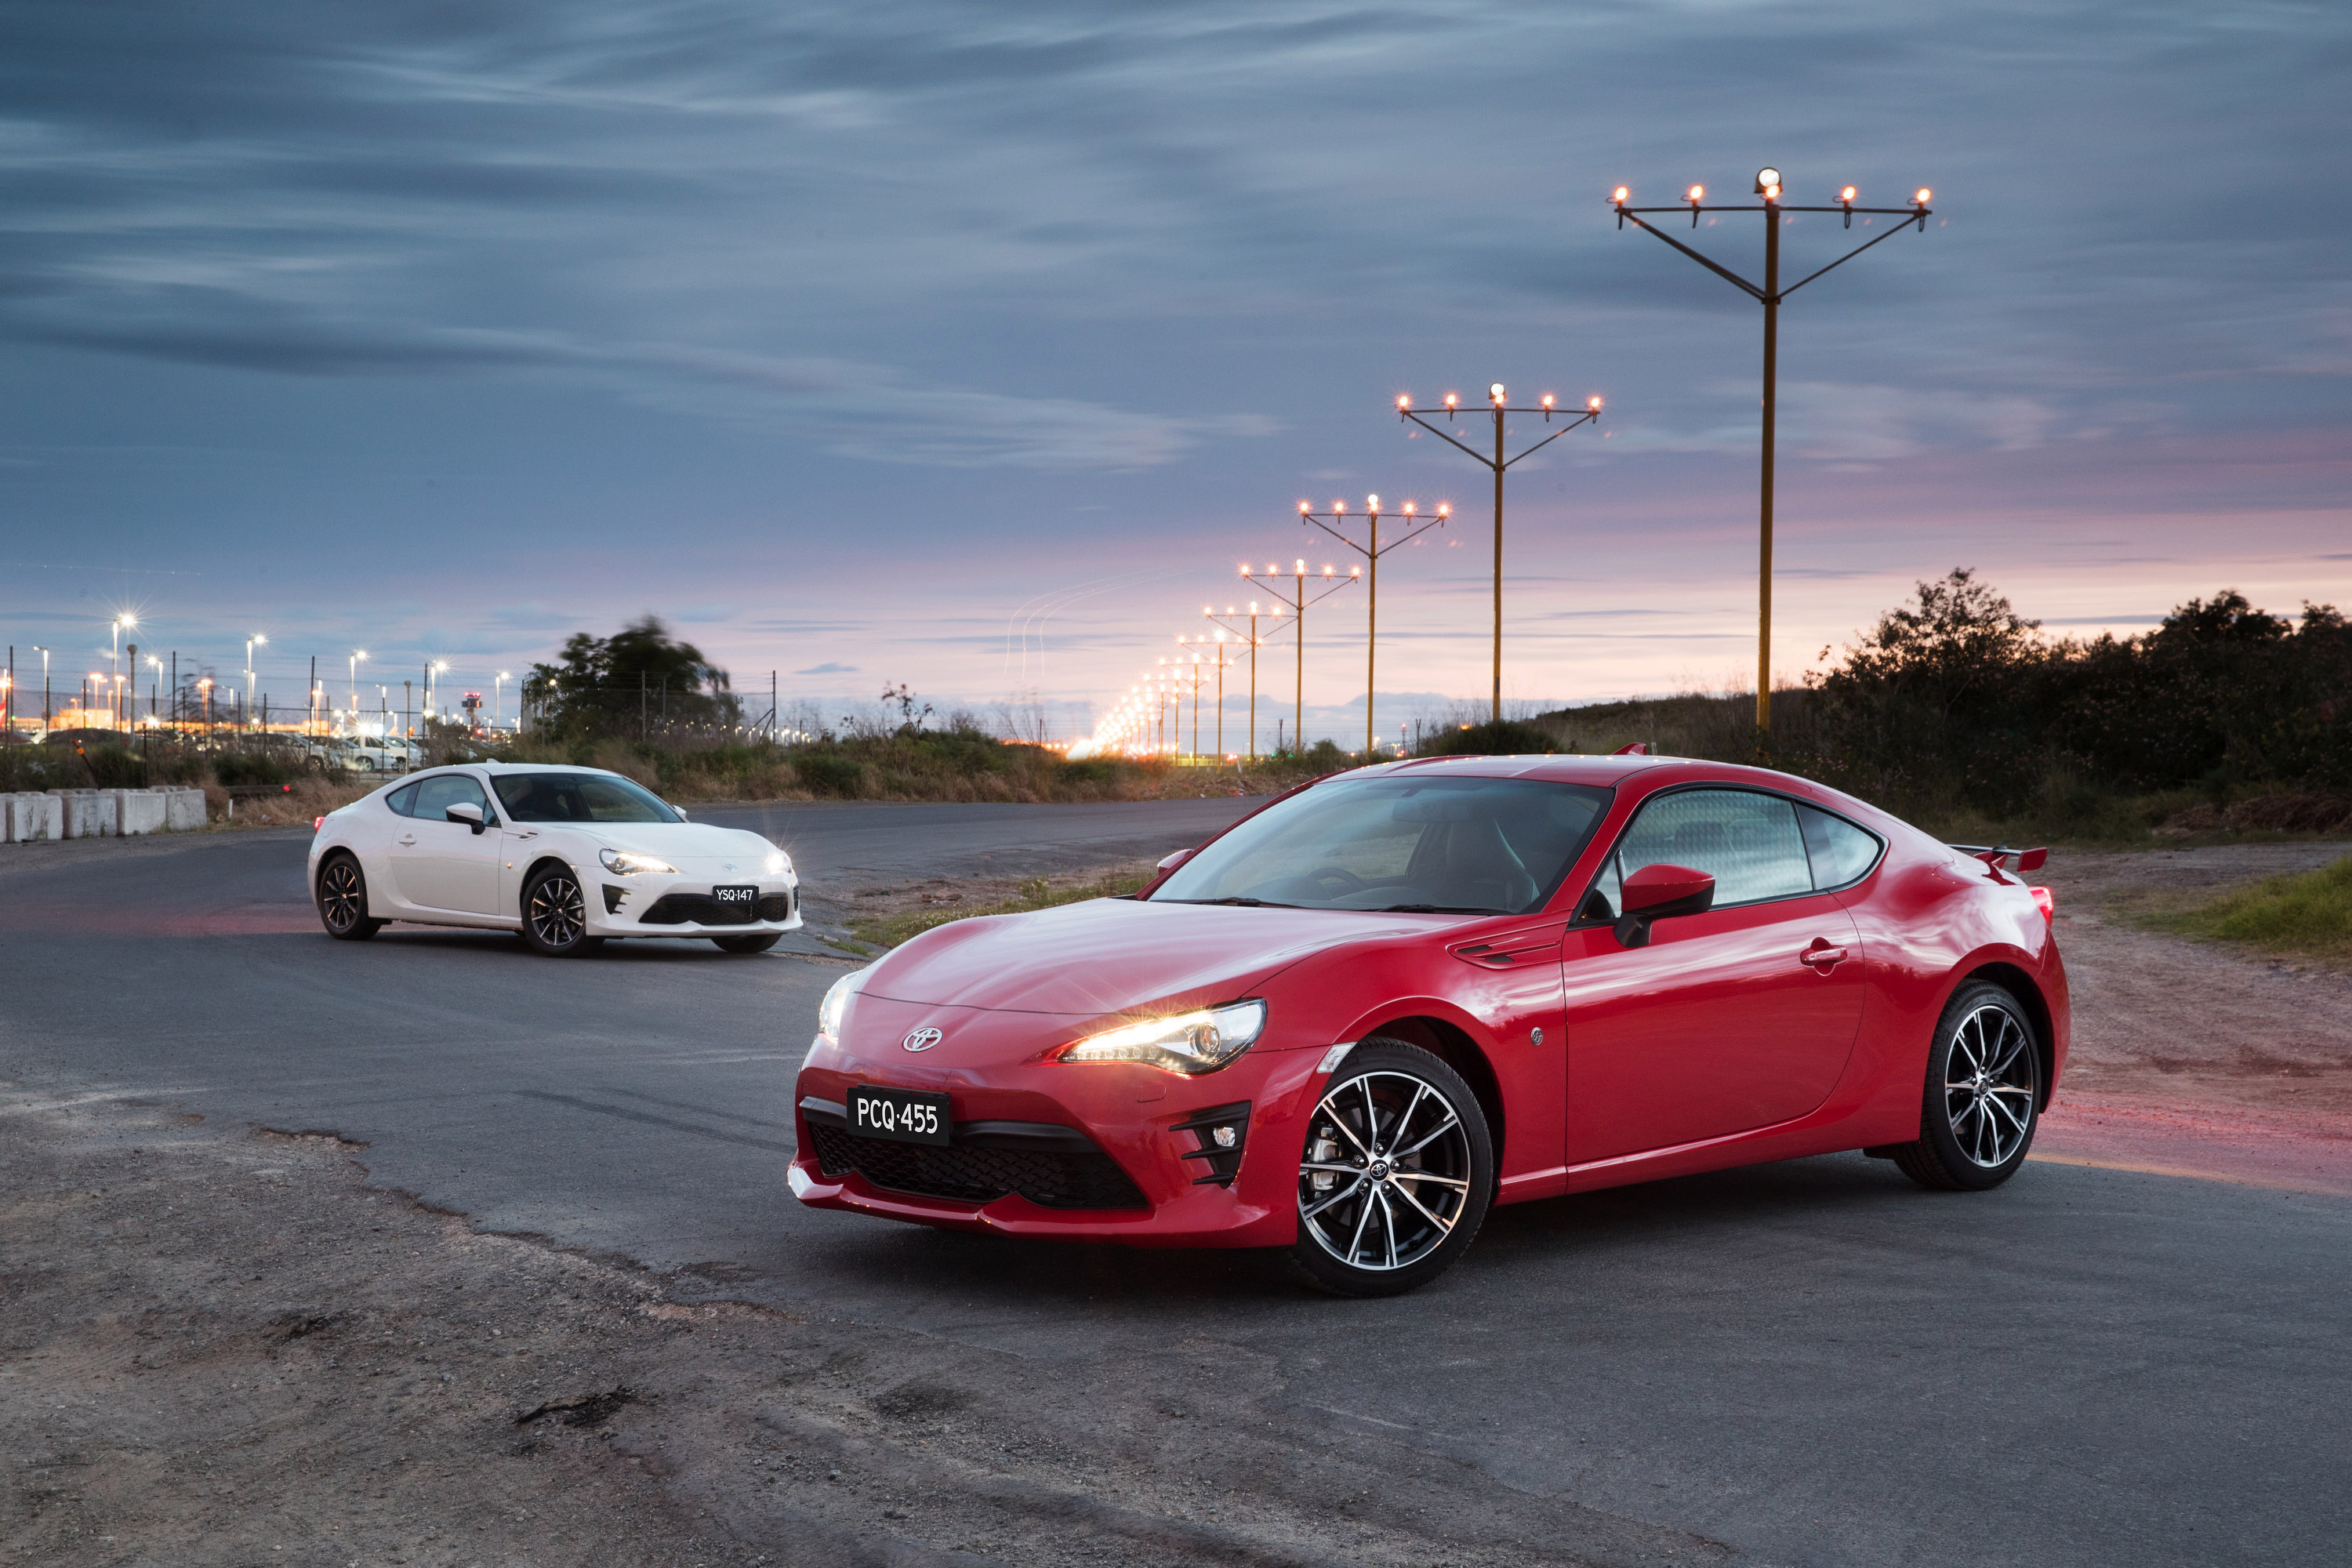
point(621, 863)
point(779, 864)
point(1187, 1043)
point(836, 1005)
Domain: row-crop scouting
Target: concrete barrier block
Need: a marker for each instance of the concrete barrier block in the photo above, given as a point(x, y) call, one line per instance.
point(88, 813)
point(38, 817)
point(184, 808)
point(9, 831)
point(137, 811)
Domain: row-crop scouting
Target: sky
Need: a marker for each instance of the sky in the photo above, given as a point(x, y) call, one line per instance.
point(974, 347)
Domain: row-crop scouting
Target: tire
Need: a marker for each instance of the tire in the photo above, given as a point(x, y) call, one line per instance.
point(1365, 1235)
point(343, 901)
point(555, 915)
point(758, 943)
point(1981, 1102)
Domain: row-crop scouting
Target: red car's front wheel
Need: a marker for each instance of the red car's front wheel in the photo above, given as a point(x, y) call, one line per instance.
point(1396, 1175)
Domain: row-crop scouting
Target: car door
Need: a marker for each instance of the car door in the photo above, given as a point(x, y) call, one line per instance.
point(1740, 1017)
point(437, 864)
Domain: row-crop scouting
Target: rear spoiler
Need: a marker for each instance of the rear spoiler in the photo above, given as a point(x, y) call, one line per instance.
point(1993, 854)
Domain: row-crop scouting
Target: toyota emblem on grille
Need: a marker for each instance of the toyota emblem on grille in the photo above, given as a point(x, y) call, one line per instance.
point(921, 1040)
point(728, 867)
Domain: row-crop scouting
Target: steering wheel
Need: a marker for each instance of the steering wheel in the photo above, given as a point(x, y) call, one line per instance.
point(1355, 884)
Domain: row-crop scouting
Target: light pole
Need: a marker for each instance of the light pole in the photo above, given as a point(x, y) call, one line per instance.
point(1771, 294)
point(114, 663)
point(1228, 621)
point(255, 640)
point(1500, 463)
point(154, 690)
point(358, 655)
point(498, 691)
point(1297, 604)
point(1371, 552)
point(45, 688)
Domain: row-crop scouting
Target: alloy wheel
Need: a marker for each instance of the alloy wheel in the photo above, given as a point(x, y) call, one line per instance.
point(1387, 1171)
point(341, 898)
point(557, 914)
point(1988, 1087)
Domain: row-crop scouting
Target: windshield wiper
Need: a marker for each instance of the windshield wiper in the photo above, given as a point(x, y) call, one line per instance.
point(1437, 909)
point(1244, 903)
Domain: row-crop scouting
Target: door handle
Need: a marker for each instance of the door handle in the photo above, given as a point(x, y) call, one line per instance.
point(408, 838)
point(1821, 955)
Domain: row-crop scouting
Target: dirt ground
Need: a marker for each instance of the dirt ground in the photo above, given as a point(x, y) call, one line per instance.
point(220, 1345)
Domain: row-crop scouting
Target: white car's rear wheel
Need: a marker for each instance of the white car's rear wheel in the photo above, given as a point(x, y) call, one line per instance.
point(343, 899)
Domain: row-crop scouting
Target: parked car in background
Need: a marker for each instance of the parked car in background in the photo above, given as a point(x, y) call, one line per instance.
point(566, 856)
point(1353, 1021)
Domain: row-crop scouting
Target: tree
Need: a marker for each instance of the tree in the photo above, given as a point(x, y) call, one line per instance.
point(635, 680)
point(1957, 640)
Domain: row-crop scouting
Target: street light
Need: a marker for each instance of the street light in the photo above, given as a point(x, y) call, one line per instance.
point(498, 689)
point(1296, 603)
point(255, 640)
point(1771, 294)
point(114, 663)
point(1371, 552)
point(1497, 397)
point(357, 655)
point(45, 688)
point(1228, 623)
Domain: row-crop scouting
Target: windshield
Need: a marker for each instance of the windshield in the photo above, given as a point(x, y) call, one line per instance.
point(578, 797)
point(1474, 846)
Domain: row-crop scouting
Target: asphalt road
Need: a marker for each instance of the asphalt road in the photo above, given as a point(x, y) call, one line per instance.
point(1813, 1362)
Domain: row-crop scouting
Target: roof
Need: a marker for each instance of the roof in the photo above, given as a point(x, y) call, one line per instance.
point(1604, 771)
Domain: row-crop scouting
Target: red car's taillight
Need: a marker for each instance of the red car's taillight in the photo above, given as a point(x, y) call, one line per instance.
point(2047, 901)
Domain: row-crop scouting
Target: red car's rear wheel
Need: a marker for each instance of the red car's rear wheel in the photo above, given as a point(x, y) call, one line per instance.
point(1396, 1173)
point(1983, 1095)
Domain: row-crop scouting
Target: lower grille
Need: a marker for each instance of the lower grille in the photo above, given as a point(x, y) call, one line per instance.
point(701, 908)
point(1049, 1178)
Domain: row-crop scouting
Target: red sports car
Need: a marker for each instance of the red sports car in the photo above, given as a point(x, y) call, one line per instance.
point(1350, 1023)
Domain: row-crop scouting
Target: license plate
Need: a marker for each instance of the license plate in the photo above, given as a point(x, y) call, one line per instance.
point(905, 1115)
point(741, 902)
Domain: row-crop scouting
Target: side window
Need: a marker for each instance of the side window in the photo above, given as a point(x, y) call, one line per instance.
point(403, 801)
point(436, 795)
point(1840, 851)
point(1748, 843)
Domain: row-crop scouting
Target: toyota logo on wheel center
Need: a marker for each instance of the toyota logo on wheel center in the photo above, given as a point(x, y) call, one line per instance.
point(921, 1040)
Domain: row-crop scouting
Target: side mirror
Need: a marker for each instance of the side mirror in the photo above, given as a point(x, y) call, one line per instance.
point(681, 813)
point(1658, 893)
point(468, 813)
point(1172, 861)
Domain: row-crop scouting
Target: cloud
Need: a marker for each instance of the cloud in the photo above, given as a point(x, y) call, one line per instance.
point(828, 669)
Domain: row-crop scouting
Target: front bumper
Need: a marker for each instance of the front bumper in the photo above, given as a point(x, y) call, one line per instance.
point(654, 905)
point(1172, 1186)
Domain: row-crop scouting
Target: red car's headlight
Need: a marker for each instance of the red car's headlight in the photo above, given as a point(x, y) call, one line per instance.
point(1186, 1043)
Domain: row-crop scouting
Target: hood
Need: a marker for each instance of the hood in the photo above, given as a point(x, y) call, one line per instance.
point(708, 847)
point(1111, 955)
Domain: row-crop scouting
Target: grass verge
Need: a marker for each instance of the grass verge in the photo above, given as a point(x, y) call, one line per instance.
point(1037, 893)
point(2308, 914)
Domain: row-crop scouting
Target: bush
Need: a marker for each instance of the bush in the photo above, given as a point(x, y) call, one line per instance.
point(1495, 738)
point(233, 768)
point(839, 777)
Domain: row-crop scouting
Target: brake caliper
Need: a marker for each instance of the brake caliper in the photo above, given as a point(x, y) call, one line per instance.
point(1323, 1151)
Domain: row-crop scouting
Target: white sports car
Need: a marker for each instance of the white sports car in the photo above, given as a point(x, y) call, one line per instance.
point(566, 855)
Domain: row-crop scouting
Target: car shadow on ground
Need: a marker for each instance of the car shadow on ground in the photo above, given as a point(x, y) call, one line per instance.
point(1522, 1248)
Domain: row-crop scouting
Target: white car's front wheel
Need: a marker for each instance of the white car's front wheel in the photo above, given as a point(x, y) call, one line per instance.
point(555, 915)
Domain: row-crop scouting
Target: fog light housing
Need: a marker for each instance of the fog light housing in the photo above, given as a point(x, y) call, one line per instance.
point(1220, 1134)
